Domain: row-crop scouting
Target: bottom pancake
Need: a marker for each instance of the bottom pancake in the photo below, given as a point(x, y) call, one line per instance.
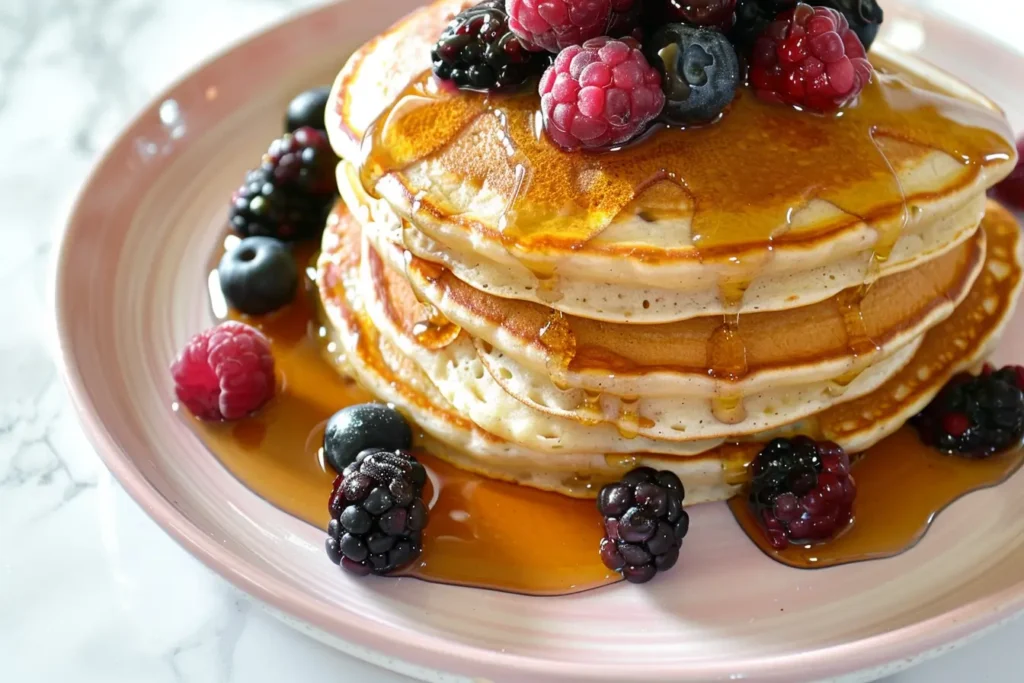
point(958, 343)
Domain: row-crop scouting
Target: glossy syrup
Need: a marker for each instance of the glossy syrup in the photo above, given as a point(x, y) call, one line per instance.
point(482, 532)
point(902, 485)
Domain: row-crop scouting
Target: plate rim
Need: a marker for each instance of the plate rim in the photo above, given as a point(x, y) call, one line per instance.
point(908, 642)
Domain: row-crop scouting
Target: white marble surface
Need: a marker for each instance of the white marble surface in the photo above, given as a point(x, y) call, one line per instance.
point(90, 589)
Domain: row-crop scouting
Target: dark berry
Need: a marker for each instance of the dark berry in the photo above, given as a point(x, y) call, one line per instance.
point(357, 428)
point(644, 523)
point(975, 416)
point(719, 14)
point(289, 196)
point(307, 109)
point(752, 17)
point(802, 490)
point(700, 72)
point(370, 531)
point(810, 58)
point(1011, 190)
point(258, 276)
point(478, 51)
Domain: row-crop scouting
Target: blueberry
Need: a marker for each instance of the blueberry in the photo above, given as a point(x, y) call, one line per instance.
point(700, 72)
point(357, 428)
point(307, 109)
point(258, 276)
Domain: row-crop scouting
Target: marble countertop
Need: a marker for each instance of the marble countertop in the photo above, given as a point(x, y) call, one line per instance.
point(90, 588)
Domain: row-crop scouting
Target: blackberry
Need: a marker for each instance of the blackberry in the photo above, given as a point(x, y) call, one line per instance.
point(289, 196)
point(802, 490)
point(699, 72)
point(377, 513)
point(356, 428)
point(478, 51)
point(644, 523)
point(975, 417)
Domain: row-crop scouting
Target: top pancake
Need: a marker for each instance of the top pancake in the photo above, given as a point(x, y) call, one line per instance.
point(766, 192)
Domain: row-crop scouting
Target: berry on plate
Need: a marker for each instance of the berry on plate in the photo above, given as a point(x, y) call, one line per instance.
point(478, 51)
point(802, 491)
point(1011, 190)
point(377, 513)
point(699, 72)
point(289, 195)
point(354, 429)
point(258, 276)
point(554, 25)
point(644, 523)
point(976, 416)
point(600, 94)
point(225, 373)
point(809, 57)
point(307, 110)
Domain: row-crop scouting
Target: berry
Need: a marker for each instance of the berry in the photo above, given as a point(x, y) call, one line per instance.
point(225, 373)
point(307, 110)
point(864, 16)
point(699, 72)
point(809, 57)
point(258, 276)
point(752, 17)
point(289, 195)
point(554, 25)
point(644, 522)
point(720, 14)
point(377, 513)
point(600, 94)
point(802, 490)
point(356, 428)
point(478, 51)
point(975, 416)
point(1011, 190)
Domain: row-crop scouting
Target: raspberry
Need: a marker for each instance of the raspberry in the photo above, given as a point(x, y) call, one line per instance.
point(224, 373)
point(601, 94)
point(477, 51)
point(554, 25)
point(377, 513)
point(809, 57)
point(289, 195)
point(975, 417)
point(802, 491)
point(1011, 190)
point(644, 523)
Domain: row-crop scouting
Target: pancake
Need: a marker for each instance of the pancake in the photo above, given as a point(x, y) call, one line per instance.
point(812, 343)
point(958, 343)
point(721, 212)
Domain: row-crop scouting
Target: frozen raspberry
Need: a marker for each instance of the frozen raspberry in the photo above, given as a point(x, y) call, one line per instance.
point(644, 523)
point(1011, 190)
point(600, 94)
point(224, 373)
point(802, 491)
point(811, 58)
point(553, 25)
point(975, 417)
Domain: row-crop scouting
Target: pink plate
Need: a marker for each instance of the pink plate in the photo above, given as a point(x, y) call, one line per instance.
point(131, 288)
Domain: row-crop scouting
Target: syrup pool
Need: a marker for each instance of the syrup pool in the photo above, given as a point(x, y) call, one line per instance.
point(482, 532)
point(491, 534)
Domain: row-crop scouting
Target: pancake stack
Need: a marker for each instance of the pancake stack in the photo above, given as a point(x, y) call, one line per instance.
point(556, 319)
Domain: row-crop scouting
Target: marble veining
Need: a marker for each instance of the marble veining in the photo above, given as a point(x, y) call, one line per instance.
point(90, 588)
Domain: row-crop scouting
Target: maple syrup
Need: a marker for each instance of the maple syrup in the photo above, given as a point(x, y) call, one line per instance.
point(902, 485)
